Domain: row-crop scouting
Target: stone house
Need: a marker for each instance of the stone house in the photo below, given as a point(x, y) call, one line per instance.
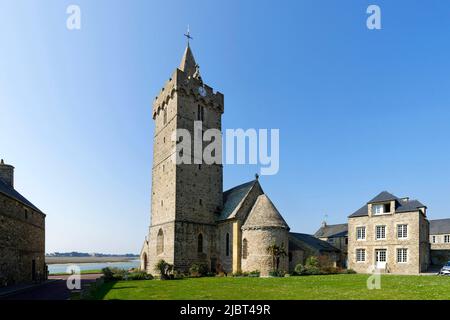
point(192, 219)
point(337, 236)
point(440, 241)
point(22, 234)
point(390, 234)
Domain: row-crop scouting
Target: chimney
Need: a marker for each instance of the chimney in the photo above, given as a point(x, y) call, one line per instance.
point(7, 173)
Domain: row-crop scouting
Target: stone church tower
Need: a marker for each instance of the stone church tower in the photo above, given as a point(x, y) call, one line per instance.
point(192, 219)
point(186, 198)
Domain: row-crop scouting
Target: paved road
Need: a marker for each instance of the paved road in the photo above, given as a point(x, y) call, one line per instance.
point(55, 290)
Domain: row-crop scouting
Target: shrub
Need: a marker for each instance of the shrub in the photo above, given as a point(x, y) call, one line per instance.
point(312, 262)
point(111, 274)
point(237, 274)
point(299, 270)
point(276, 273)
point(140, 275)
point(349, 271)
point(254, 273)
point(108, 274)
point(329, 270)
point(198, 270)
point(165, 269)
point(178, 275)
point(312, 270)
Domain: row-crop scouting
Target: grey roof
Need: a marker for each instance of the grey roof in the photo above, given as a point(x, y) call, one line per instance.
point(264, 214)
point(12, 193)
point(401, 205)
point(383, 197)
point(313, 242)
point(410, 205)
point(440, 226)
point(233, 197)
point(332, 230)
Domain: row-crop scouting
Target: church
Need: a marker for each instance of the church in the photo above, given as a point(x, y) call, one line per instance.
point(192, 219)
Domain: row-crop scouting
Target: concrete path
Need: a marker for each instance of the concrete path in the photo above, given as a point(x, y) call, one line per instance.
point(56, 289)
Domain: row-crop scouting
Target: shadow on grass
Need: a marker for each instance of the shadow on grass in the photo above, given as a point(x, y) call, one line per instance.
point(103, 290)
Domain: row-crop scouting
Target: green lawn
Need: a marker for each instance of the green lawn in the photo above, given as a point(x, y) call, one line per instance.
point(345, 286)
point(82, 272)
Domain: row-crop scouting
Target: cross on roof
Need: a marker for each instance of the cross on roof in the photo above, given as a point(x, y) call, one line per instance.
point(188, 35)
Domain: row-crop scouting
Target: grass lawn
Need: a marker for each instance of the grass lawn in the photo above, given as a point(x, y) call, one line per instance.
point(329, 287)
point(82, 272)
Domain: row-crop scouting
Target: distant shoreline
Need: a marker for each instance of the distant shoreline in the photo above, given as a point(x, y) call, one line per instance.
point(64, 260)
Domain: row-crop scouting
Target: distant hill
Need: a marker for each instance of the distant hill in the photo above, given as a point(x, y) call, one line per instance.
point(83, 254)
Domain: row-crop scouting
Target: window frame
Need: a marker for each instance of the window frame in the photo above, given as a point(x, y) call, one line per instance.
point(401, 232)
point(446, 238)
point(384, 232)
point(363, 230)
point(361, 255)
point(402, 253)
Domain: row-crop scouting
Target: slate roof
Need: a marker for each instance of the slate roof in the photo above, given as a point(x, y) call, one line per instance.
point(313, 242)
point(401, 205)
point(383, 197)
point(332, 230)
point(233, 197)
point(12, 193)
point(264, 214)
point(440, 226)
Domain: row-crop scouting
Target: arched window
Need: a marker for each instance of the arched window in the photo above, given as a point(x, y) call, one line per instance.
point(144, 262)
point(227, 245)
point(200, 243)
point(244, 249)
point(160, 242)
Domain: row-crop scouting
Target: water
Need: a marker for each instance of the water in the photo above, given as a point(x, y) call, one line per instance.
point(62, 267)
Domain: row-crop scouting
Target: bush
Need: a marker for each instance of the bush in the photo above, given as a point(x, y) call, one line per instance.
point(198, 270)
point(115, 274)
point(299, 270)
point(108, 274)
point(349, 271)
point(237, 274)
point(312, 262)
point(254, 273)
point(165, 269)
point(312, 270)
point(329, 270)
point(276, 273)
point(140, 275)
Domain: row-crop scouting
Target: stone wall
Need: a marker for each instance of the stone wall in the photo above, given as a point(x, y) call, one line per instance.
point(22, 241)
point(416, 242)
point(225, 228)
point(186, 198)
point(258, 240)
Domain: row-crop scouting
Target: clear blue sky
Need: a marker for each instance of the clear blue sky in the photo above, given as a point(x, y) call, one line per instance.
point(359, 111)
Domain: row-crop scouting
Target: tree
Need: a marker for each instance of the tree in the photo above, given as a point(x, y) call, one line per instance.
point(276, 252)
point(164, 268)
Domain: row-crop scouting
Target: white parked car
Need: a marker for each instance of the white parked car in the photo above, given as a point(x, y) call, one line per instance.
point(445, 271)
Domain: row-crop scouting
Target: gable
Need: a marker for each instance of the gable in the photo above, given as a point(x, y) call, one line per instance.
point(238, 201)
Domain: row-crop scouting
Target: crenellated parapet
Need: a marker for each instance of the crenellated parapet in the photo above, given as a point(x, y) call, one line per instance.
point(187, 86)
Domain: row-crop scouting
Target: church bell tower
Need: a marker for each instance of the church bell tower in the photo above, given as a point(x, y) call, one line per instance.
point(186, 198)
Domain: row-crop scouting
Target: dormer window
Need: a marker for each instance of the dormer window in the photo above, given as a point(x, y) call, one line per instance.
point(381, 208)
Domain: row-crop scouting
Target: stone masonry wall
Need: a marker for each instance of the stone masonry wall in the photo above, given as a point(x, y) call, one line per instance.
point(258, 240)
point(22, 240)
point(415, 242)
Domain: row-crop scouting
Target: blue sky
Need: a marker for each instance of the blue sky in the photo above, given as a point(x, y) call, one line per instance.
point(359, 111)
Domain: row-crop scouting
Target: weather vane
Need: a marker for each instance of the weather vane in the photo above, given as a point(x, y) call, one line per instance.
point(188, 35)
